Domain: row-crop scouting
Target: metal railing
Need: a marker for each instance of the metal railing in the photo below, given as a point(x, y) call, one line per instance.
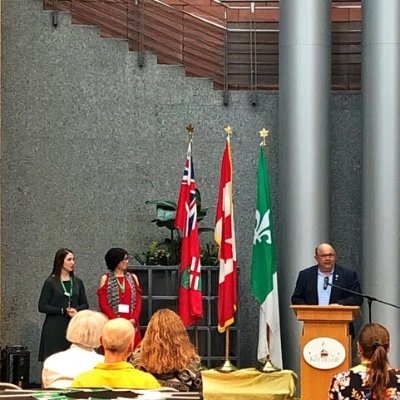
point(235, 45)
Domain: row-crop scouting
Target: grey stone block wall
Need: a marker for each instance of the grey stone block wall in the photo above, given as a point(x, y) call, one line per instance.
point(88, 136)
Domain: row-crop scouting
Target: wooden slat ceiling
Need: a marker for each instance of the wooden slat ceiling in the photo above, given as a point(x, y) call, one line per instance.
point(192, 33)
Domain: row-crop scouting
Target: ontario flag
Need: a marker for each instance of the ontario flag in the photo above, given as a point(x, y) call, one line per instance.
point(224, 235)
point(190, 305)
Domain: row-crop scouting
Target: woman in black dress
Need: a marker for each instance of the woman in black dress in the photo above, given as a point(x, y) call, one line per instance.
point(62, 296)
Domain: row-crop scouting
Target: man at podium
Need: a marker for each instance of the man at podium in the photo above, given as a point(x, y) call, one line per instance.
point(326, 282)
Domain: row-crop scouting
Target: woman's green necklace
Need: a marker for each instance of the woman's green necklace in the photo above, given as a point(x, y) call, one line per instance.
point(121, 285)
point(71, 289)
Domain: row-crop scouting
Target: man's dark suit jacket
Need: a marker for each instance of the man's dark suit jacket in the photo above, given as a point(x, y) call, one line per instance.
point(306, 291)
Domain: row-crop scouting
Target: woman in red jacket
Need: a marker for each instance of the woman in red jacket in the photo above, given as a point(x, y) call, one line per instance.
point(119, 292)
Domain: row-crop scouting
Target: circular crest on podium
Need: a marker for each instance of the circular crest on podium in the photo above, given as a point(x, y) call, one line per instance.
point(324, 353)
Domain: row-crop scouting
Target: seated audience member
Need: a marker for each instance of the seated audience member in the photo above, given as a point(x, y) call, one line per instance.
point(84, 333)
point(167, 353)
point(373, 378)
point(117, 341)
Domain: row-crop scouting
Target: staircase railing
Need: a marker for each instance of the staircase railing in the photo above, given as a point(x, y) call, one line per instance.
point(234, 45)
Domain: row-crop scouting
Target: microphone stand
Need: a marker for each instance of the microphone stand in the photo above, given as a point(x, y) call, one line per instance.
point(370, 299)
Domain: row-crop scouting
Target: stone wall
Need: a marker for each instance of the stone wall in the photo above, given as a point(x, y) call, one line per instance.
point(88, 136)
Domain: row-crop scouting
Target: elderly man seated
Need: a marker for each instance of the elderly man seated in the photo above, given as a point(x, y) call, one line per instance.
point(117, 340)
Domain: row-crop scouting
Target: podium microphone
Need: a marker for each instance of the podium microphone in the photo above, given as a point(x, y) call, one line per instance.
point(326, 282)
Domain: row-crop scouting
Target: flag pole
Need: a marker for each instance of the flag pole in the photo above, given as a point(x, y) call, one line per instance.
point(228, 131)
point(267, 366)
point(190, 306)
point(227, 344)
point(190, 131)
point(264, 134)
point(196, 337)
point(227, 366)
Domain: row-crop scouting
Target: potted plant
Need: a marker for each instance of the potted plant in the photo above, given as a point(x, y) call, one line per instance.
point(168, 251)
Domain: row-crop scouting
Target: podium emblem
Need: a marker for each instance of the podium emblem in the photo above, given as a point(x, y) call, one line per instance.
point(324, 353)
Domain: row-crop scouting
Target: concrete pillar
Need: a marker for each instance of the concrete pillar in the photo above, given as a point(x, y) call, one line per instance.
point(304, 99)
point(1, 159)
point(381, 162)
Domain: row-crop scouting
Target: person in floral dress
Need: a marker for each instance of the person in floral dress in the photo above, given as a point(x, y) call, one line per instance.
point(373, 378)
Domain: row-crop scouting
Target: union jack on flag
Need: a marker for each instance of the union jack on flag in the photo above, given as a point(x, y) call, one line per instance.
point(190, 305)
point(187, 219)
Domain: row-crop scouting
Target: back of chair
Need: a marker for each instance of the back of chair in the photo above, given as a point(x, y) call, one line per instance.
point(7, 385)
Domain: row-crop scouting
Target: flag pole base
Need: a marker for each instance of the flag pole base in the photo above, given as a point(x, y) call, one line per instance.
point(268, 366)
point(227, 366)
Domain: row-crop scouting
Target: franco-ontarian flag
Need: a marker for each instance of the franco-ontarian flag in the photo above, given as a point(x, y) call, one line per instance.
point(190, 304)
point(263, 271)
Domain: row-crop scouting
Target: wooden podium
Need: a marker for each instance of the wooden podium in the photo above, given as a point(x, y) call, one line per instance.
point(324, 344)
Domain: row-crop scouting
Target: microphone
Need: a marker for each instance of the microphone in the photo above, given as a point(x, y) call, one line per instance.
point(326, 282)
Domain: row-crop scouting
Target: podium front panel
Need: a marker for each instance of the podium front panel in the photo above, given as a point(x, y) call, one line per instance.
point(332, 323)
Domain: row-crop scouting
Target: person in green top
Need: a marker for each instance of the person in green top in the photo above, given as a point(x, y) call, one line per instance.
point(115, 372)
point(62, 296)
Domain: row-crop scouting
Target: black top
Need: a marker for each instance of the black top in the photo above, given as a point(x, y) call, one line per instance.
point(53, 302)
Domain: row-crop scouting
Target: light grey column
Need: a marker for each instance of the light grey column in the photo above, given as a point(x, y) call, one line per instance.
point(1, 152)
point(381, 162)
point(304, 96)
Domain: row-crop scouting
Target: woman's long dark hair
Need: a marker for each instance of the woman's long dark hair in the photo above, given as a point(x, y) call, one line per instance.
point(374, 342)
point(59, 262)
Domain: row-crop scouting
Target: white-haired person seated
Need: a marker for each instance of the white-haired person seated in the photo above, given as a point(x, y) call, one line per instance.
point(84, 332)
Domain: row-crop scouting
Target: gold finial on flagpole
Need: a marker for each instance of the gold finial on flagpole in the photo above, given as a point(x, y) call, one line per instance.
point(264, 134)
point(228, 131)
point(190, 131)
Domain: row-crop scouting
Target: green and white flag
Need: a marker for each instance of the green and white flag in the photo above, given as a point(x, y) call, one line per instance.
point(263, 271)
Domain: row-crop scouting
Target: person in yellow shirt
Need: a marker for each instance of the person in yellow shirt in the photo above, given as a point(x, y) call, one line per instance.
point(117, 340)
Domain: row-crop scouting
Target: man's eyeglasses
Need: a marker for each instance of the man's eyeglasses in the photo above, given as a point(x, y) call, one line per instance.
point(330, 255)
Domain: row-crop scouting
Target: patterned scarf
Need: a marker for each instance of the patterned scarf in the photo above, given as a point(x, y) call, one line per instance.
point(113, 291)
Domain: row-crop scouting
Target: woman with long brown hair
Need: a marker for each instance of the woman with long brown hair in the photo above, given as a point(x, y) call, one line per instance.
point(373, 378)
point(62, 296)
point(167, 353)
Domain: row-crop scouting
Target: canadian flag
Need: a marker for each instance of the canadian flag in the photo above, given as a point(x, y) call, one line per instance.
point(224, 235)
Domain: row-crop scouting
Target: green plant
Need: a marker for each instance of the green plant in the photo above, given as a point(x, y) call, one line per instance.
point(159, 254)
point(168, 251)
point(209, 254)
